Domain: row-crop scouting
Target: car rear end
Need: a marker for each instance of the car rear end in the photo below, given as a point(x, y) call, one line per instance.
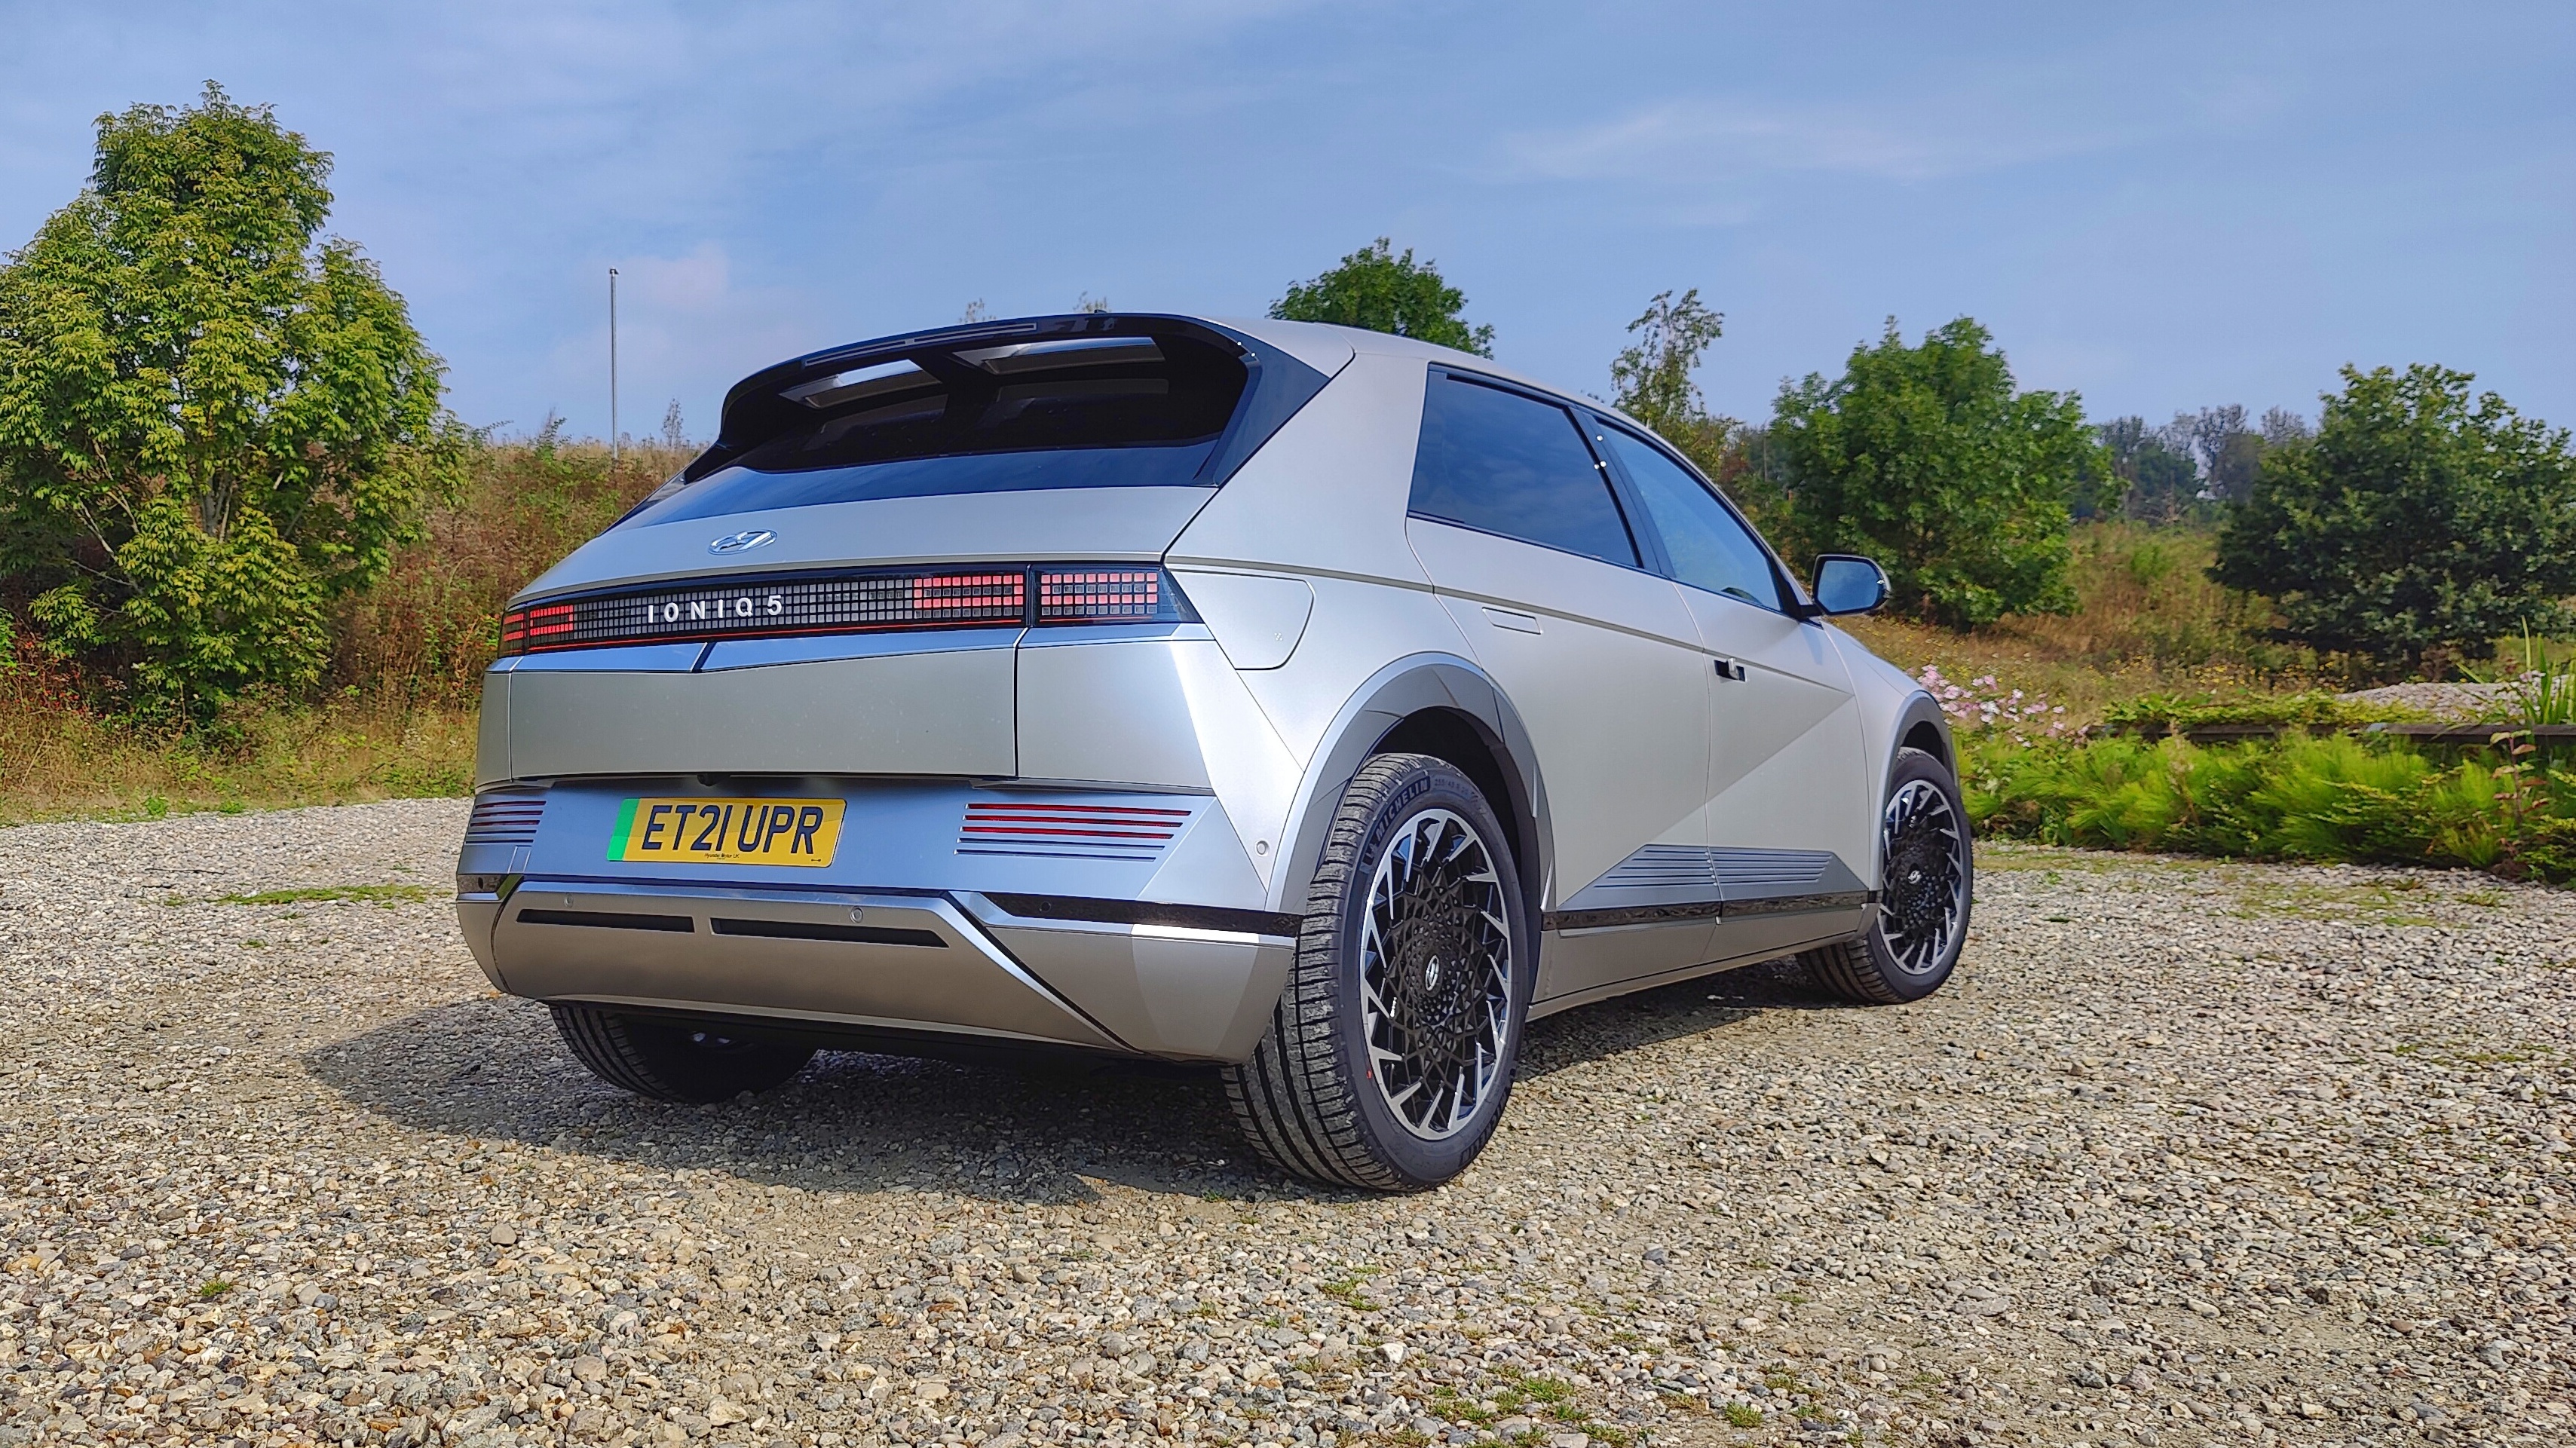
point(885, 725)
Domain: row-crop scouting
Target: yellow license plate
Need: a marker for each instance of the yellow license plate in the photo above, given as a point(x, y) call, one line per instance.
point(727, 831)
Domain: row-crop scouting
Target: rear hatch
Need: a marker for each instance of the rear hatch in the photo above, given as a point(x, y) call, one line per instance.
point(838, 585)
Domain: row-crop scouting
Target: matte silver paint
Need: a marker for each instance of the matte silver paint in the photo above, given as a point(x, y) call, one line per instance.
point(1659, 745)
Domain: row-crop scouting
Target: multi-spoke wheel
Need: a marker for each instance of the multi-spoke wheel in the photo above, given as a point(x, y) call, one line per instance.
point(1390, 1056)
point(1926, 879)
point(1436, 974)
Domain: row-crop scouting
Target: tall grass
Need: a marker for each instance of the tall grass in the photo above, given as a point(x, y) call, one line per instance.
point(425, 634)
point(2147, 621)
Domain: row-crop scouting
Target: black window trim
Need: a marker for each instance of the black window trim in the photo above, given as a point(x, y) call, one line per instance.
point(1648, 548)
point(1791, 598)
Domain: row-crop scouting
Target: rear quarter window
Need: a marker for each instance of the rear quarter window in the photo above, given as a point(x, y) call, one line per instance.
point(1501, 462)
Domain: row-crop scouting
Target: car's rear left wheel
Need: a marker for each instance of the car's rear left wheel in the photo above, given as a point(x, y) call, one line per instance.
point(674, 1060)
point(1390, 1055)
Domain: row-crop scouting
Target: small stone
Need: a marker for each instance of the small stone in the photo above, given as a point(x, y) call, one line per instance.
point(723, 1411)
point(1115, 1344)
point(1392, 1350)
point(930, 1390)
point(2312, 1410)
point(590, 1369)
point(505, 1235)
point(1568, 1440)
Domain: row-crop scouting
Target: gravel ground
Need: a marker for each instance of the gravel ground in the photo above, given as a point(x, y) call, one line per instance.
point(2446, 703)
point(2189, 1153)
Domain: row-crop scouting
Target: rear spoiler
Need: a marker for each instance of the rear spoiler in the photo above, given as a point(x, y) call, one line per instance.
point(762, 406)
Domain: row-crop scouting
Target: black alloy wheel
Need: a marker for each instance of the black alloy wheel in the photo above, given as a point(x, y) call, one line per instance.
point(1927, 888)
point(1390, 1056)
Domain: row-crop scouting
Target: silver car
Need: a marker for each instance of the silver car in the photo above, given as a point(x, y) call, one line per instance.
point(1316, 704)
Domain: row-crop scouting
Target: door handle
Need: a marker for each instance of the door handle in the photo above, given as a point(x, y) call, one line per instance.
point(1729, 669)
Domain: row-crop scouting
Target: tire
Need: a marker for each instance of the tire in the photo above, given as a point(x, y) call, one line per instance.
point(1315, 1099)
point(672, 1060)
point(1927, 873)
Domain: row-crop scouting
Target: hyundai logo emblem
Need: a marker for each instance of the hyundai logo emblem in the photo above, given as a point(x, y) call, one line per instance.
point(741, 542)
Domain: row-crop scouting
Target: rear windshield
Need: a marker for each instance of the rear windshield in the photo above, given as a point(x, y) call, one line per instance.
point(1087, 412)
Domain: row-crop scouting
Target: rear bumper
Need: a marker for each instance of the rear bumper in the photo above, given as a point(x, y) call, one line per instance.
point(913, 930)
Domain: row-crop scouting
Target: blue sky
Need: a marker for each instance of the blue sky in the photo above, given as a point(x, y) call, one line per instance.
point(2162, 206)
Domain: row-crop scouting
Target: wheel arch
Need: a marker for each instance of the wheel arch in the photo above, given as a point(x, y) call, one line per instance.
point(1920, 724)
point(1436, 704)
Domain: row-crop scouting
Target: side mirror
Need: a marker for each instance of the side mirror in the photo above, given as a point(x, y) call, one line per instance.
point(1848, 583)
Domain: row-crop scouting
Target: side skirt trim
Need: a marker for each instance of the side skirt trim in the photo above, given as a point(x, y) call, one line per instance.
point(1561, 920)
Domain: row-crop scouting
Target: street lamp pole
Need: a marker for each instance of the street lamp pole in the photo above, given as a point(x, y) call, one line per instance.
point(612, 365)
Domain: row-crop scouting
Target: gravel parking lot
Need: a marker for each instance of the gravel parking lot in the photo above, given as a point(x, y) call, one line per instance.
point(2189, 1153)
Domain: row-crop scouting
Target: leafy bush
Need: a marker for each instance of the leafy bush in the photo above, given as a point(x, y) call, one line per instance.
point(2296, 798)
point(211, 425)
point(2414, 528)
point(1927, 459)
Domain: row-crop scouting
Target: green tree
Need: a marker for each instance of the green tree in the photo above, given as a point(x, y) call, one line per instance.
point(1376, 289)
point(1651, 382)
point(212, 424)
point(2415, 527)
point(1927, 459)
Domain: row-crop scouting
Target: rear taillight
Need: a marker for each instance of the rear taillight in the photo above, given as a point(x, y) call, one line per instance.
point(983, 597)
point(1100, 595)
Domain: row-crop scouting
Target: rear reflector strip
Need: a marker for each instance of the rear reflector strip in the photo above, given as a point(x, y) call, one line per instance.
point(814, 930)
point(505, 819)
point(1093, 831)
point(986, 597)
point(610, 920)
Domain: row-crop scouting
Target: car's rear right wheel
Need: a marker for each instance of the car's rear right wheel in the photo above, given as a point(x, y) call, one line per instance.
point(674, 1060)
point(1391, 1052)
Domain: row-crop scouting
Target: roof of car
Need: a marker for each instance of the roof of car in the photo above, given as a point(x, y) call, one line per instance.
point(1295, 338)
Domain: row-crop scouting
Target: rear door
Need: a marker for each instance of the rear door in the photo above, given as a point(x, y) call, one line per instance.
point(1518, 526)
point(1790, 835)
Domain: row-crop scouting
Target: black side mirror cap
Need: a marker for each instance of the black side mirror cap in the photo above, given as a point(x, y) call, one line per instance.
point(1848, 583)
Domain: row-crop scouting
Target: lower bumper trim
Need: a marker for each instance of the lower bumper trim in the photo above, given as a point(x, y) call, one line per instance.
point(814, 930)
point(610, 920)
point(1148, 912)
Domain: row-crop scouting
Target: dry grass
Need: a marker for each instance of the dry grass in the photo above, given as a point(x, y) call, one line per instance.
point(58, 763)
point(407, 667)
point(426, 632)
point(2148, 621)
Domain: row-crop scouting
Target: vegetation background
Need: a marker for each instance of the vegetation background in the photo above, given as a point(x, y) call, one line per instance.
point(248, 559)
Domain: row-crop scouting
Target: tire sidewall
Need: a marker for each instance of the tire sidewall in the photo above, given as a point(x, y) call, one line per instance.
point(1912, 765)
point(1424, 784)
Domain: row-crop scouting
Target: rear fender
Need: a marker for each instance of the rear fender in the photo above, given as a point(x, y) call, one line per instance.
point(1406, 687)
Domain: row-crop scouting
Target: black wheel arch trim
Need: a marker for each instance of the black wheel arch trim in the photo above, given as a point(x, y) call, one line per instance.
point(1395, 693)
point(1921, 712)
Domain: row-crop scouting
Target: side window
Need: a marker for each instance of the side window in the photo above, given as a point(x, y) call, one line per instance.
point(1512, 465)
point(1710, 549)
